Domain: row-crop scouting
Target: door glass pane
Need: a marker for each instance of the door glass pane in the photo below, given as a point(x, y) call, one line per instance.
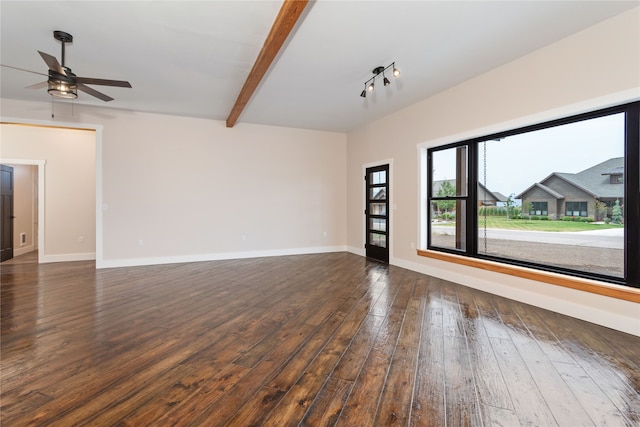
point(377, 208)
point(379, 240)
point(378, 224)
point(379, 177)
point(377, 193)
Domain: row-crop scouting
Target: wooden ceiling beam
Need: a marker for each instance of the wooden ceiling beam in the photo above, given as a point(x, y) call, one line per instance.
point(282, 26)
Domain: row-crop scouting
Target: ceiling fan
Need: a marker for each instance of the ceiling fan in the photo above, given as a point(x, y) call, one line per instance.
point(63, 83)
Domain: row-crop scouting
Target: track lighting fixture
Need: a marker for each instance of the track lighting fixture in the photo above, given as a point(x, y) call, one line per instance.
point(370, 84)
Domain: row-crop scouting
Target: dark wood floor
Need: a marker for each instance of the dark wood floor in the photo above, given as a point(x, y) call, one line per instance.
point(329, 339)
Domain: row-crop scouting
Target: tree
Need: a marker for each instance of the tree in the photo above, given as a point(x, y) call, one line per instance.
point(526, 209)
point(616, 213)
point(600, 210)
point(510, 203)
point(446, 189)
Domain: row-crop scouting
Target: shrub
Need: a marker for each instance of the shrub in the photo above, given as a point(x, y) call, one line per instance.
point(544, 218)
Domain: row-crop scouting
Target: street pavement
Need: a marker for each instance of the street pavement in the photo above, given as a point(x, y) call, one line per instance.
point(610, 238)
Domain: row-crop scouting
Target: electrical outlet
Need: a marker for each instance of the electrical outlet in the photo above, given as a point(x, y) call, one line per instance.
point(80, 239)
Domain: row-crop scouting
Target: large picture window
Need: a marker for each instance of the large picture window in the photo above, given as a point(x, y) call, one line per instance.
point(560, 196)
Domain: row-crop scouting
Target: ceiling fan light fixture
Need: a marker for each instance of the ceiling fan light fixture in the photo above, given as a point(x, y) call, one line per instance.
point(62, 89)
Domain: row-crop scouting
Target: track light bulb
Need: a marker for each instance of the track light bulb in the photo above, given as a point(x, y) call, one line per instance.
point(386, 81)
point(363, 93)
point(370, 87)
point(396, 72)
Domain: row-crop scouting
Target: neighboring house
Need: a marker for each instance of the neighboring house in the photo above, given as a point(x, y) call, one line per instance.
point(575, 194)
point(486, 197)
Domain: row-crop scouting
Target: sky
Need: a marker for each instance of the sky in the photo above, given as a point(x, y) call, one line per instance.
point(514, 163)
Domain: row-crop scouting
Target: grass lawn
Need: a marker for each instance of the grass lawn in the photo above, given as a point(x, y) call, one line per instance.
point(530, 225)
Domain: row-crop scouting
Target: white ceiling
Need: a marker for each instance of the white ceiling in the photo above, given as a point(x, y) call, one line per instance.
point(191, 58)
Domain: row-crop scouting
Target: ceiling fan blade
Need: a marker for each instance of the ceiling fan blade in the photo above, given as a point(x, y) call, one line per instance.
point(93, 92)
point(53, 63)
point(38, 85)
point(103, 82)
point(22, 69)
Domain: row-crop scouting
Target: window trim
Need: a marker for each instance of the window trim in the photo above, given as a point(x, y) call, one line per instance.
point(622, 292)
point(632, 228)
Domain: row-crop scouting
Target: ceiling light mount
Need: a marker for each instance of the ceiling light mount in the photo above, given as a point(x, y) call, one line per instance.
point(369, 85)
point(64, 38)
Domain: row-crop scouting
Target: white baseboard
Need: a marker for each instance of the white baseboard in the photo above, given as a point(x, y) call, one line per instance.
point(88, 256)
point(357, 251)
point(23, 250)
point(132, 262)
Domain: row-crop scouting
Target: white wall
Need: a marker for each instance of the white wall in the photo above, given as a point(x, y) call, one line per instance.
point(69, 193)
point(589, 70)
point(175, 189)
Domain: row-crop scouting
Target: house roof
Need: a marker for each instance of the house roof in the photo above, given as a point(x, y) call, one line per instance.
point(497, 196)
point(542, 187)
point(500, 197)
point(594, 180)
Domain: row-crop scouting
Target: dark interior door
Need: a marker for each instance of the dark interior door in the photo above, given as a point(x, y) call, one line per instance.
point(6, 208)
point(376, 213)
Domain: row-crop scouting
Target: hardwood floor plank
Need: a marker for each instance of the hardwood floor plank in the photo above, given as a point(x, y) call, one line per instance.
point(320, 339)
point(560, 399)
point(300, 397)
point(327, 407)
point(529, 404)
point(362, 405)
point(395, 402)
point(491, 389)
point(429, 405)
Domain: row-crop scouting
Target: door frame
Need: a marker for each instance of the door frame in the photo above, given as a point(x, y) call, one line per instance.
point(41, 199)
point(8, 211)
point(392, 206)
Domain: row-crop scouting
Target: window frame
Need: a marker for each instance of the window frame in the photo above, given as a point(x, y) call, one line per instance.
point(543, 212)
point(579, 205)
point(631, 276)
